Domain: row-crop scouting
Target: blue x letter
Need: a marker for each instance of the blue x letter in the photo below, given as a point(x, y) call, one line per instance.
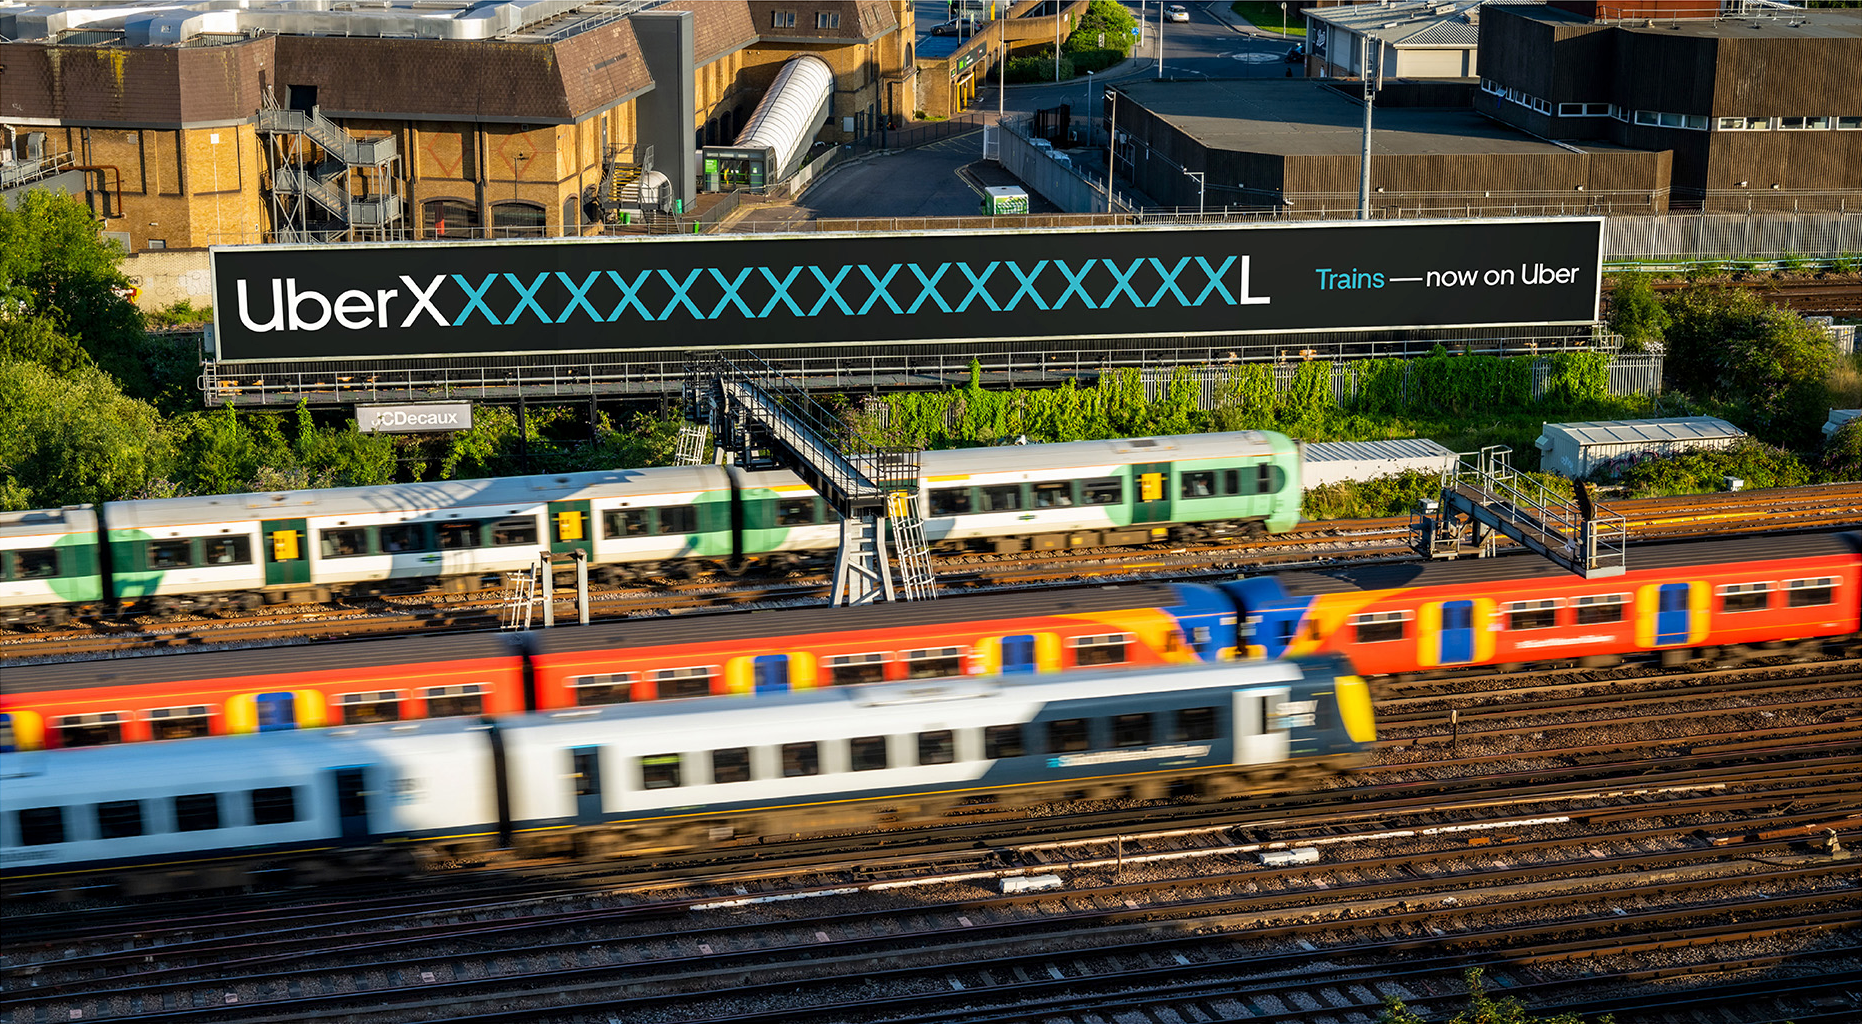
point(475, 299)
point(1170, 281)
point(830, 290)
point(679, 296)
point(781, 291)
point(979, 286)
point(578, 296)
point(929, 291)
point(1027, 287)
point(1215, 280)
point(880, 284)
point(730, 293)
point(527, 298)
point(630, 295)
point(1076, 283)
point(1122, 283)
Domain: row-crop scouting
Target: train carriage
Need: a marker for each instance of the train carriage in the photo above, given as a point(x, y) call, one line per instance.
point(325, 803)
point(1130, 491)
point(48, 563)
point(1676, 600)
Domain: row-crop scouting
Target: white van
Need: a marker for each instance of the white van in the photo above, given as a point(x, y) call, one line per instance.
point(1062, 159)
point(1042, 144)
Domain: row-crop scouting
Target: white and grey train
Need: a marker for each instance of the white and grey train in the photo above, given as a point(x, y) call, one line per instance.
point(323, 804)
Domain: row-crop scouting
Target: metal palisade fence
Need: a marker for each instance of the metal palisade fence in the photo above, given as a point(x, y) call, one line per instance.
point(1631, 373)
point(1705, 236)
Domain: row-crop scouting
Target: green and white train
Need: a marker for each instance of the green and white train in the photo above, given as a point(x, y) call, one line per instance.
point(243, 550)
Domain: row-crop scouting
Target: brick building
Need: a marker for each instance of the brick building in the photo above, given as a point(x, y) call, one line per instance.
point(191, 125)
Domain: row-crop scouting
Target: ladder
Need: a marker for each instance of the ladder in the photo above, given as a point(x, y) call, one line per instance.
point(520, 595)
point(916, 577)
point(693, 438)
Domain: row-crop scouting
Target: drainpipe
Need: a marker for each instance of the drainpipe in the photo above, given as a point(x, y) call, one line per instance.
point(100, 169)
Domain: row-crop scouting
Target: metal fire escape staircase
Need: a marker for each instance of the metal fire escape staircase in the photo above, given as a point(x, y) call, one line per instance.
point(768, 421)
point(1483, 495)
point(311, 184)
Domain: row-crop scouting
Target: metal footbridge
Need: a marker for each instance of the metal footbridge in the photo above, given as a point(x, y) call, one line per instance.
point(767, 421)
point(1484, 496)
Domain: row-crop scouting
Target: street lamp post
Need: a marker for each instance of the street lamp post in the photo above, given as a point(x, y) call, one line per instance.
point(1200, 177)
point(1283, 19)
point(1111, 142)
point(1160, 38)
point(1086, 110)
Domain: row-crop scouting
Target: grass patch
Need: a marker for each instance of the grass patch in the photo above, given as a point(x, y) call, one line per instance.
point(1267, 16)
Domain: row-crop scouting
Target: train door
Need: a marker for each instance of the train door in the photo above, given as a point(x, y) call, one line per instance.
point(586, 762)
point(277, 711)
point(352, 804)
point(1671, 614)
point(1018, 655)
point(1151, 492)
point(1457, 635)
point(771, 672)
point(287, 551)
point(570, 527)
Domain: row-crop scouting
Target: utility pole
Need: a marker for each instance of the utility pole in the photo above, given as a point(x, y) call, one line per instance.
point(1160, 38)
point(1056, 42)
point(1111, 142)
point(1370, 94)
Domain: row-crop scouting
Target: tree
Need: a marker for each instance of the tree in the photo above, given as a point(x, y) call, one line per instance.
point(1734, 347)
point(73, 438)
point(56, 268)
point(1636, 312)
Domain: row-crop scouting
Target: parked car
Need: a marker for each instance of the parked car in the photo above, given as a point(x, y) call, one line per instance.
point(954, 27)
point(1177, 12)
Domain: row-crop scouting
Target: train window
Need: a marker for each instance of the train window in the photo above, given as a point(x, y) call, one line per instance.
point(457, 534)
point(1066, 735)
point(936, 747)
point(1100, 650)
point(934, 663)
point(274, 805)
point(171, 554)
point(1003, 741)
point(1200, 484)
point(869, 753)
point(1745, 597)
point(1268, 478)
point(180, 723)
point(345, 542)
point(1000, 498)
point(1054, 494)
point(659, 771)
point(1193, 724)
point(1108, 490)
point(401, 537)
point(363, 708)
point(41, 826)
point(1805, 593)
point(626, 522)
point(799, 759)
point(1131, 730)
point(197, 812)
point(852, 669)
point(32, 564)
point(228, 550)
point(693, 681)
point(585, 769)
point(730, 765)
point(1532, 614)
point(1599, 609)
point(119, 819)
point(606, 688)
point(92, 730)
point(514, 530)
point(453, 701)
point(795, 512)
point(951, 501)
point(678, 519)
point(1379, 627)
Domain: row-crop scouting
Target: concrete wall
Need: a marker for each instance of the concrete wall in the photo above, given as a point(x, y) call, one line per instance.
point(164, 278)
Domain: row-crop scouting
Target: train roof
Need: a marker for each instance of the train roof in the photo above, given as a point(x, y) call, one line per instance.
point(771, 622)
point(1462, 572)
point(337, 501)
point(1117, 452)
point(45, 522)
point(308, 657)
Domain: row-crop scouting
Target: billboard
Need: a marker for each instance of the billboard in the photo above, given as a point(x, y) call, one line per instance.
point(767, 292)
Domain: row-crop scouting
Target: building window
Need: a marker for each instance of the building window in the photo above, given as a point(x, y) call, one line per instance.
point(1743, 124)
point(517, 220)
point(823, 19)
point(782, 19)
point(1848, 124)
point(1648, 117)
point(449, 218)
point(158, 243)
point(1584, 110)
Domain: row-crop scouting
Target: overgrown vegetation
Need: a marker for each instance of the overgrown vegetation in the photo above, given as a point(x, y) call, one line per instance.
point(92, 408)
point(1101, 38)
point(1482, 1009)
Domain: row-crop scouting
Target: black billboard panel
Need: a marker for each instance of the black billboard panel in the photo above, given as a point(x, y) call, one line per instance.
point(770, 292)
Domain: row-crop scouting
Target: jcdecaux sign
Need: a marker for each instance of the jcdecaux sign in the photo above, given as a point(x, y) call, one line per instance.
point(769, 292)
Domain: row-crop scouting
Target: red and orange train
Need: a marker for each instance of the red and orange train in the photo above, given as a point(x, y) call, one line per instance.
point(1701, 598)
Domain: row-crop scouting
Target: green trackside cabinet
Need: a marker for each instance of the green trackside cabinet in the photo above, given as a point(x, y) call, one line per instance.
point(1000, 200)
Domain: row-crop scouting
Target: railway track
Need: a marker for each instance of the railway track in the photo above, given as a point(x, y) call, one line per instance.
point(1310, 544)
point(1841, 296)
point(1612, 876)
